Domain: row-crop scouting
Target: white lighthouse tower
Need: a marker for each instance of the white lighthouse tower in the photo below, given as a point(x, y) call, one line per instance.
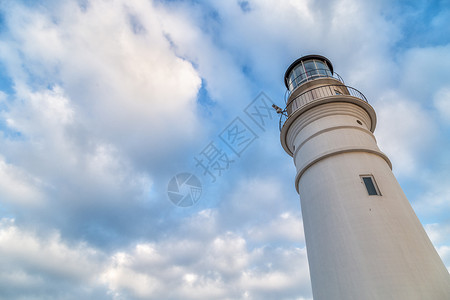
point(363, 238)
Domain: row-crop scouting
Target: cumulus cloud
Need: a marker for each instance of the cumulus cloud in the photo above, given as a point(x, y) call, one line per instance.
point(18, 187)
point(440, 236)
point(100, 101)
point(444, 253)
point(67, 168)
point(398, 118)
point(442, 102)
point(435, 200)
point(286, 227)
point(131, 81)
point(219, 268)
point(422, 77)
point(39, 265)
point(438, 233)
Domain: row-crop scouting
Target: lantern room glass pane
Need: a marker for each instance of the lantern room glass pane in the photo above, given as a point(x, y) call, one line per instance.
point(321, 67)
point(292, 84)
point(307, 70)
point(310, 68)
point(299, 74)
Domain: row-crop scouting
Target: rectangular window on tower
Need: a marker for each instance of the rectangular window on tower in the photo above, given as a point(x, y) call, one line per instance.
point(371, 185)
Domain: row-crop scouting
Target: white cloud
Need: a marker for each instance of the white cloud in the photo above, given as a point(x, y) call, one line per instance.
point(190, 264)
point(42, 119)
point(405, 130)
point(286, 227)
point(438, 233)
point(99, 110)
point(442, 103)
point(422, 77)
point(220, 268)
point(18, 187)
point(444, 253)
point(37, 264)
point(434, 201)
point(256, 196)
point(61, 161)
point(123, 84)
point(185, 27)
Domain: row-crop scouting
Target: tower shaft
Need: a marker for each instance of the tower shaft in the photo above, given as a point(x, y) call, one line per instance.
point(363, 238)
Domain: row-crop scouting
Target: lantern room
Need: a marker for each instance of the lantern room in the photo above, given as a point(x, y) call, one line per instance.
point(305, 69)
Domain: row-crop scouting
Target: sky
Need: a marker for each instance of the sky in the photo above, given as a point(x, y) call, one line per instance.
point(108, 106)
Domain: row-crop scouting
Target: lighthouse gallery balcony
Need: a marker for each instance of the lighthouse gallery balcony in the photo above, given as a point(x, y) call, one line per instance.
point(312, 79)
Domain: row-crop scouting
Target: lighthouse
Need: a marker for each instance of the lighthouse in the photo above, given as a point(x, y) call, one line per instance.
point(363, 239)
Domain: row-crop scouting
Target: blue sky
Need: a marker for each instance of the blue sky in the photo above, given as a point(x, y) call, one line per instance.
point(102, 102)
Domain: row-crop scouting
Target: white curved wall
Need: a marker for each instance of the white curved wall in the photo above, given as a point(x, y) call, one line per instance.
point(359, 246)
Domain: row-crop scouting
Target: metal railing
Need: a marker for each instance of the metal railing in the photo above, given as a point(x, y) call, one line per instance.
point(308, 76)
point(316, 94)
